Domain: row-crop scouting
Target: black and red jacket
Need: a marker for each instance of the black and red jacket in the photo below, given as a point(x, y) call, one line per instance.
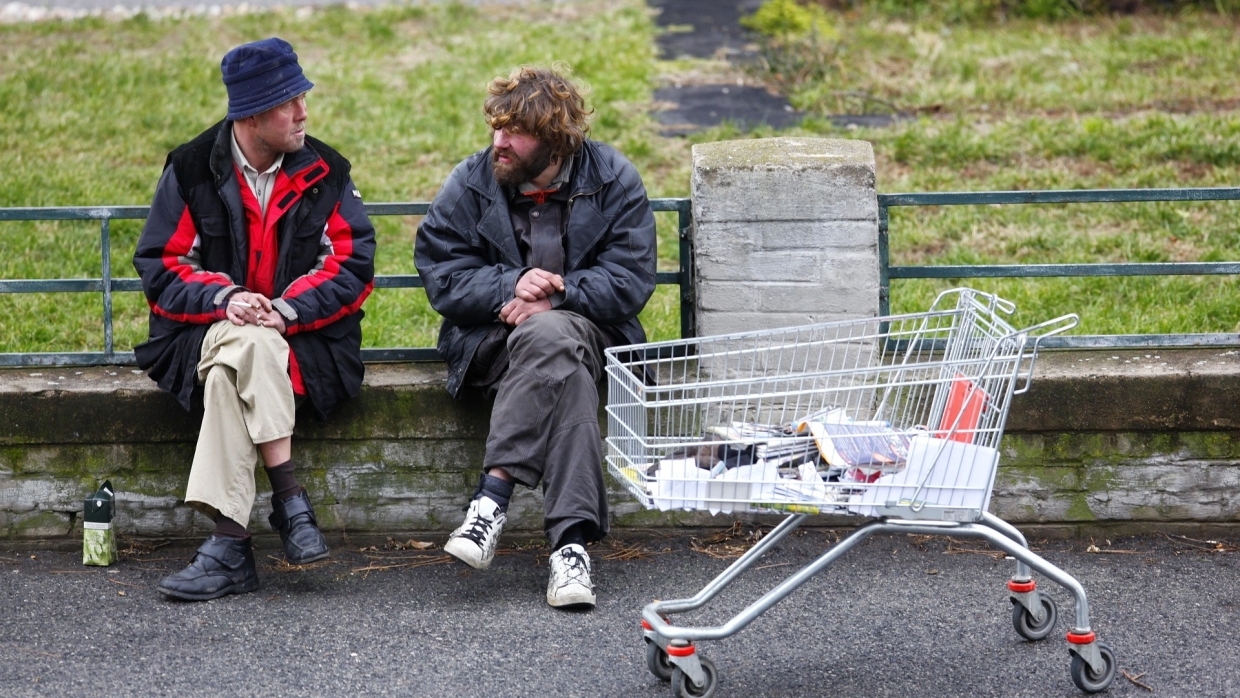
point(204, 239)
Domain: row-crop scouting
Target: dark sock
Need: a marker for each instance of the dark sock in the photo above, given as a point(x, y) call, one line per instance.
point(227, 528)
point(283, 482)
point(573, 534)
point(498, 490)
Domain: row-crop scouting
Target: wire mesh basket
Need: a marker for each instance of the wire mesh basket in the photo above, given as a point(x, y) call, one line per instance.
point(897, 416)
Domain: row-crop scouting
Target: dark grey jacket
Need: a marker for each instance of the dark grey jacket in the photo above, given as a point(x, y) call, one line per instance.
point(466, 252)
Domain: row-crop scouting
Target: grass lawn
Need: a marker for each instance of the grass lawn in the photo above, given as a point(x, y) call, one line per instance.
point(1103, 102)
point(91, 107)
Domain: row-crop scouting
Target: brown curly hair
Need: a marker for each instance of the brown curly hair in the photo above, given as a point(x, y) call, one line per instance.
point(542, 103)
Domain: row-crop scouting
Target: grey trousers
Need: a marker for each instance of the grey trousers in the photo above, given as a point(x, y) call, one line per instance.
point(544, 424)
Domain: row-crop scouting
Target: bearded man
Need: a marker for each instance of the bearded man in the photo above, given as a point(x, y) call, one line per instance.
point(255, 261)
point(539, 252)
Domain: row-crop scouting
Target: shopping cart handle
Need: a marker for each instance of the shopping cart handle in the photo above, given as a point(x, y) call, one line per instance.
point(989, 301)
point(1050, 328)
point(1039, 332)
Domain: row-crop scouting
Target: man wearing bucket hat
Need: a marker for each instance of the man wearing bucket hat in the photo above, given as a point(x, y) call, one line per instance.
point(255, 261)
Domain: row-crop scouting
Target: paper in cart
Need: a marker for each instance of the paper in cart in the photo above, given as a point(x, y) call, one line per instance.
point(957, 483)
point(680, 484)
point(735, 489)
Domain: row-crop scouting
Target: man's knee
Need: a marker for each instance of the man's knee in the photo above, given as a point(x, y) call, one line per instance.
point(261, 338)
point(220, 378)
point(544, 333)
point(249, 340)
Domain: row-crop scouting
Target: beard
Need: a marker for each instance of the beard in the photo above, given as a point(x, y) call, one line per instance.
point(520, 170)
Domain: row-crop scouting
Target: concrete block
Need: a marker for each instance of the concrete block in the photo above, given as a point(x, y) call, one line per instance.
point(783, 179)
point(782, 297)
point(730, 322)
point(772, 211)
point(39, 524)
point(738, 241)
point(828, 269)
point(1022, 497)
point(778, 266)
point(823, 236)
point(25, 494)
point(1178, 390)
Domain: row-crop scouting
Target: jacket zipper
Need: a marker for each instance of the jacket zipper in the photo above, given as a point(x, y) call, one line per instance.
point(581, 193)
point(569, 215)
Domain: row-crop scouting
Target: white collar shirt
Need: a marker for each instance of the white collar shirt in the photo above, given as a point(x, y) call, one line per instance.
point(261, 183)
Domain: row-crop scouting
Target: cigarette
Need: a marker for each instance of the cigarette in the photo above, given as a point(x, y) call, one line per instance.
point(243, 304)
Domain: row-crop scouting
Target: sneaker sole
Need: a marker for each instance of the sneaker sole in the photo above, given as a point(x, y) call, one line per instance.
point(581, 601)
point(234, 589)
point(463, 553)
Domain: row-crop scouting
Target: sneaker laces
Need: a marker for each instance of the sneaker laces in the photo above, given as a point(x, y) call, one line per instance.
point(478, 528)
point(575, 566)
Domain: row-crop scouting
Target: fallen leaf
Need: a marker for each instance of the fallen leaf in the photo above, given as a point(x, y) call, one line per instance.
point(410, 544)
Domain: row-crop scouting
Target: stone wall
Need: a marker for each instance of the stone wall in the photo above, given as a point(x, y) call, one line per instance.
point(785, 234)
point(1097, 444)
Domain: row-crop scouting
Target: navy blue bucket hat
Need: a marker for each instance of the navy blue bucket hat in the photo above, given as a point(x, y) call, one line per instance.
point(261, 75)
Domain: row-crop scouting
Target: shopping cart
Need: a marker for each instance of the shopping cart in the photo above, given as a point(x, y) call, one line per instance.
point(895, 417)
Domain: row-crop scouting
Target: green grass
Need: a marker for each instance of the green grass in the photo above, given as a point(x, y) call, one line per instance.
point(1147, 101)
point(92, 107)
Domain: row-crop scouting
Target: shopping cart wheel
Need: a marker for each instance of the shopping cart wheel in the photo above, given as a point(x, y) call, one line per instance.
point(1029, 628)
point(1084, 677)
point(682, 687)
point(657, 662)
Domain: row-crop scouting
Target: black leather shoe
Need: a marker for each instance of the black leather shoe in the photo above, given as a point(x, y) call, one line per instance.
point(294, 520)
point(221, 566)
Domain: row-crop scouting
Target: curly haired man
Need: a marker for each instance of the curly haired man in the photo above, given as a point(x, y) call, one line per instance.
point(539, 252)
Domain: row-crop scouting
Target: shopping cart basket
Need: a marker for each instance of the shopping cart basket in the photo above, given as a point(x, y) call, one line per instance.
point(895, 417)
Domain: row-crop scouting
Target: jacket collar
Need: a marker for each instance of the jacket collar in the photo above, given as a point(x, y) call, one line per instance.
point(295, 164)
point(590, 175)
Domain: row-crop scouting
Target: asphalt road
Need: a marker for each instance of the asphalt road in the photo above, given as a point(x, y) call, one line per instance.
point(896, 617)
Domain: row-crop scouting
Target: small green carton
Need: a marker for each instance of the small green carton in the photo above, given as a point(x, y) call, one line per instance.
point(98, 538)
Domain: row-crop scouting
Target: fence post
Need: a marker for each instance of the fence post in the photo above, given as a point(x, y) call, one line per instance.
point(785, 232)
point(105, 246)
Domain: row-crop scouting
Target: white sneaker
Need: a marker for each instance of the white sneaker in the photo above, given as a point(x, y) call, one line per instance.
point(570, 578)
point(474, 542)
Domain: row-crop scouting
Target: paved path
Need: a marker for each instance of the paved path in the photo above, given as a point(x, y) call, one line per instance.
point(895, 617)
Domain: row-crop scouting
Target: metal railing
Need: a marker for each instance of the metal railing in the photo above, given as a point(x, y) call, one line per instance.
point(683, 277)
point(1072, 196)
point(108, 285)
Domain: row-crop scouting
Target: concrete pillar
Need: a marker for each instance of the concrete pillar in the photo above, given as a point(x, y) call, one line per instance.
point(785, 232)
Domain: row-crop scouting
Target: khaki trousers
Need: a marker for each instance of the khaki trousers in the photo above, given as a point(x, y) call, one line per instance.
point(248, 400)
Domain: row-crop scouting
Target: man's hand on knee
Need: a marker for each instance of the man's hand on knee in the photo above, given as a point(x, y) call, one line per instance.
point(537, 284)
